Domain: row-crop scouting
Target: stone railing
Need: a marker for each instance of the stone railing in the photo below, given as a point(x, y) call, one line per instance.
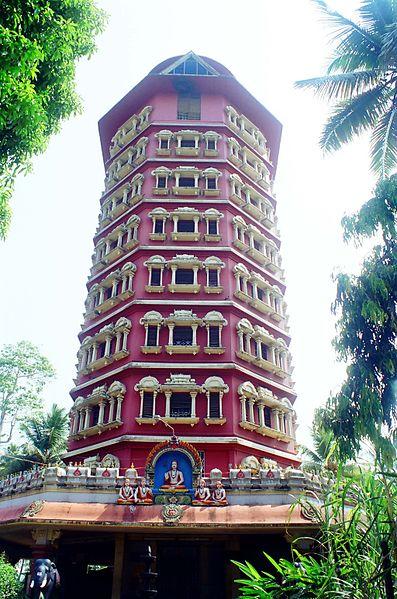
point(87, 479)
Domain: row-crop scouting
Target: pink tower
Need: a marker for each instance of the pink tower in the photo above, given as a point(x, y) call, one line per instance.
point(185, 323)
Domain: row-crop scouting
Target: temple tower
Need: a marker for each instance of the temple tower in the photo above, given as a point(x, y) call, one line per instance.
point(185, 322)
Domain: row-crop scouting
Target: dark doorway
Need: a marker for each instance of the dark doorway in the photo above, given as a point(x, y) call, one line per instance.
point(193, 570)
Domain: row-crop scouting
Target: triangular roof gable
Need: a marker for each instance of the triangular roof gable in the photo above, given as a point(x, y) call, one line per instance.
point(190, 64)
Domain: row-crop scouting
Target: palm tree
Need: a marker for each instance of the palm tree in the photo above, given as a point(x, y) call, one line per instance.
point(320, 457)
point(362, 79)
point(46, 435)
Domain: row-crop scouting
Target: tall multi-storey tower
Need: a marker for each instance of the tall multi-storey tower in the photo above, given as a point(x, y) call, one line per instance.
point(185, 316)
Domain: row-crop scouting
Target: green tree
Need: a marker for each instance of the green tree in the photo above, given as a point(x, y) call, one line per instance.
point(366, 406)
point(45, 437)
point(362, 81)
point(23, 375)
point(320, 457)
point(352, 555)
point(40, 43)
point(10, 587)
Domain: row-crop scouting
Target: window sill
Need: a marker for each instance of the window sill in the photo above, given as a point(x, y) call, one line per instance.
point(181, 420)
point(187, 151)
point(182, 349)
point(151, 349)
point(96, 430)
point(240, 245)
point(185, 236)
point(154, 288)
point(158, 236)
point(214, 350)
point(258, 256)
point(135, 199)
point(121, 354)
point(182, 288)
point(236, 161)
point(160, 191)
point(216, 289)
point(186, 191)
point(209, 421)
point(237, 199)
point(212, 153)
point(130, 244)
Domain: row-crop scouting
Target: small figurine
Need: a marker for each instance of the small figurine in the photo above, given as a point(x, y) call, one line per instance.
point(126, 493)
point(219, 494)
point(202, 495)
point(143, 494)
point(174, 479)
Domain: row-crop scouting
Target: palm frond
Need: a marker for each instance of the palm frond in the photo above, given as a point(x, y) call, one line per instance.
point(389, 47)
point(377, 14)
point(345, 27)
point(384, 144)
point(354, 116)
point(353, 61)
point(342, 85)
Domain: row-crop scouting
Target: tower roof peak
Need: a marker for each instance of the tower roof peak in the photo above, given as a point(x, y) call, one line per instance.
point(191, 64)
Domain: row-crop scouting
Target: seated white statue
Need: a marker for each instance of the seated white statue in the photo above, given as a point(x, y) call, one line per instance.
point(126, 493)
point(173, 478)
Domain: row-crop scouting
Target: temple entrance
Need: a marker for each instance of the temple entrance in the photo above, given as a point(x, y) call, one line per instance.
point(190, 569)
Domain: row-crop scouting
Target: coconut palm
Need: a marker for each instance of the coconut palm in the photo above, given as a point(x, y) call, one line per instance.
point(321, 456)
point(46, 435)
point(362, 79)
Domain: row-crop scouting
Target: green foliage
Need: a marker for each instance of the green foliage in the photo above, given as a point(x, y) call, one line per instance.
point(40, 43)
point(23, 374)
point(46, 441)
point(361, 79)
point(354, 554)
point(10, 588)
point(366, 406)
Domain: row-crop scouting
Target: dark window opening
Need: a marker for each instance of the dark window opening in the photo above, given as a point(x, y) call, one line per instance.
point(183, 336)
point(155, 278)
point(184, 276)
point(161, 182)
point(268, 419)
point(214, 405)
point(214, 336)
point(188, 143)
point(151, 339)
point(213, 227)
point(211, 183)
point(95, 415)
point(159, 225)
point(185, 226)
point(187, 182)
point(213, 278)
point(181, 405)
point(189, 107)
point(147, 406)
point(101, 350)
